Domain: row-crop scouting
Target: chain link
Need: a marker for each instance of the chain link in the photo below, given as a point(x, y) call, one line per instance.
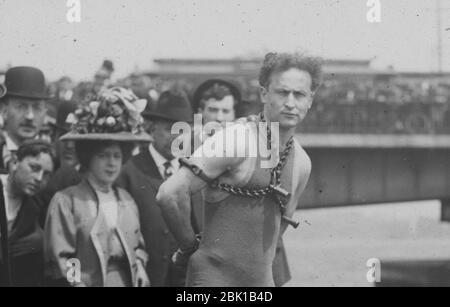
point(275, 172)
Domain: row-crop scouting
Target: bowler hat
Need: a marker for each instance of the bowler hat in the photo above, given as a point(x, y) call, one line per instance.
point(25, 82)
point(210, 83)
point(173, 106)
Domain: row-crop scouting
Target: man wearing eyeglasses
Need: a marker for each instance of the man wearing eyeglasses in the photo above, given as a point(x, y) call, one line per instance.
point(23, 109)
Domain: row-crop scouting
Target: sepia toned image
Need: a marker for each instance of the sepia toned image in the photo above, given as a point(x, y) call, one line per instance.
point(251, 144)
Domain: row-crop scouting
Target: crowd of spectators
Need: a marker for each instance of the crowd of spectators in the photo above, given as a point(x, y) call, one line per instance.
point(391, 90)
point(391, 104)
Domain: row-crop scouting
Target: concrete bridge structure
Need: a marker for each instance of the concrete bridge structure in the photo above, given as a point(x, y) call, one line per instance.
point(350, 169)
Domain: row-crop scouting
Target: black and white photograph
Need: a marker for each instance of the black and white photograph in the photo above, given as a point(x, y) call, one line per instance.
point(224, 145)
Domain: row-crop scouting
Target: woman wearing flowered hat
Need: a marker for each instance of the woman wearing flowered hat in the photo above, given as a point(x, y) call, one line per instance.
point(95, 222)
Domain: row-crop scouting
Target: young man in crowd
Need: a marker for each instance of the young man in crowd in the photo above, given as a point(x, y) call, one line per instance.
point(216, 100)
point(21, 262)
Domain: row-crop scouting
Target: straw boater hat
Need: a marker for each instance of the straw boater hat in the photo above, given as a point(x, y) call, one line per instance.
point(114, 116)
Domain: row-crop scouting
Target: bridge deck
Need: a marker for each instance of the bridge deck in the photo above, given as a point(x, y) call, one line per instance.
point(313, 140)
point(370, 169)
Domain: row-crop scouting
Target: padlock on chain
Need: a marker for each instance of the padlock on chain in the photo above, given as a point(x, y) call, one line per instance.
point(280, 191)
point(279, 194)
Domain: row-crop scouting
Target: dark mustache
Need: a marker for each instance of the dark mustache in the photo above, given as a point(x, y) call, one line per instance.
point(27, 125)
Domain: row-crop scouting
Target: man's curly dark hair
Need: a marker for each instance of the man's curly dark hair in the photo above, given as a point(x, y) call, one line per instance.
point(33, 148)
point(279, 62)
point(216, 91)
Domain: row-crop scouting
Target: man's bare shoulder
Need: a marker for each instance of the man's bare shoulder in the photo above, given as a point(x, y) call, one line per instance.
point(302, 165)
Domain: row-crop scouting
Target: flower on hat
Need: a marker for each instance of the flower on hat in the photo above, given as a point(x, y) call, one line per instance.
point(113, 110)
point(110, 121)
point(71, 119)
point(93, 105)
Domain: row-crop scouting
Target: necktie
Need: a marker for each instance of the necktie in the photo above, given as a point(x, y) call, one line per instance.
point(167, 169)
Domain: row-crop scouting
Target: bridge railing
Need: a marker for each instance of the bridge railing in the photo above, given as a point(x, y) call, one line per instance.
point(367, 117)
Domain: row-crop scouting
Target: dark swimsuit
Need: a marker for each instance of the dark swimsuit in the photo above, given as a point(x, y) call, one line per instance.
point(240, 237)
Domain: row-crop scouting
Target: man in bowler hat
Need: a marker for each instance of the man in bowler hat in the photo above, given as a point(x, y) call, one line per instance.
point(23, 108)
point(142, 176)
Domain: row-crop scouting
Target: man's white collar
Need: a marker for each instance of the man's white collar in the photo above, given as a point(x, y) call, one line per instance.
point(160, 160)
point(10, 144)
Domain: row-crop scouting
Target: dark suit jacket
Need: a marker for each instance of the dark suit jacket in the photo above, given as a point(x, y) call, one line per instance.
point(141, 178)
point(2, 143)
point(27, 269)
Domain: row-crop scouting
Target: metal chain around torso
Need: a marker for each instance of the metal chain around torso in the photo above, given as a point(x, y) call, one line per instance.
point(275, 172)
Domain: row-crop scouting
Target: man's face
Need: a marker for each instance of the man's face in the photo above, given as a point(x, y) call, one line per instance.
point(163, 138)
point(31, 175)
point(220, 111)
point(288, 97)
point(66, 85)
point(24, 117)
point(67, 154)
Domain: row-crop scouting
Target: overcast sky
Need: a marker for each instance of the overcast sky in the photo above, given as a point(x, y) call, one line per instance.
point(133, 32)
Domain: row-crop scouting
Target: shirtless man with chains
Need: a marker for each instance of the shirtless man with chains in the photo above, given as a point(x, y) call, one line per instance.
point(247, 206)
